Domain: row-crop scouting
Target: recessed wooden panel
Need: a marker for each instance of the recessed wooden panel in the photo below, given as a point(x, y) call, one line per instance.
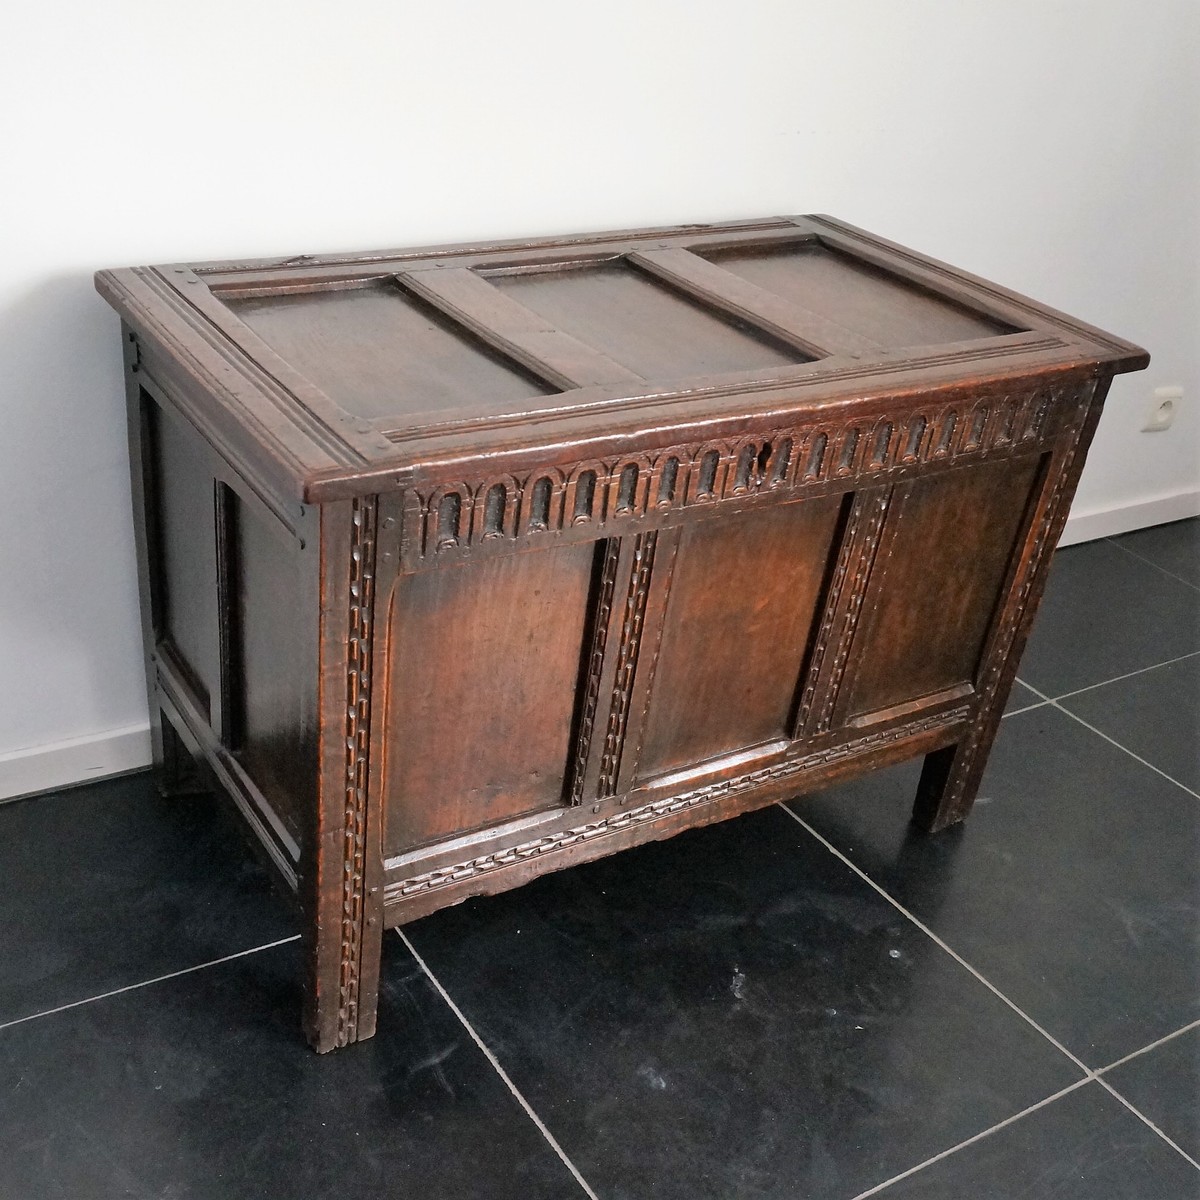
point(378, 352)
point(184, 517)
point(930, 601)
point(486, 658)
point(641, 324)
point(884, 307)
point(273, 664)
point(738, 622)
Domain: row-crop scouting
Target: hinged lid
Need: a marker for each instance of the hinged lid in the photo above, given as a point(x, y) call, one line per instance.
point(367, 371)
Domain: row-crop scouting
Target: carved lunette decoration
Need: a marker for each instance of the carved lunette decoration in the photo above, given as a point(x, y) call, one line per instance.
point(358, 721)
point(660, 809)
point(608, 497)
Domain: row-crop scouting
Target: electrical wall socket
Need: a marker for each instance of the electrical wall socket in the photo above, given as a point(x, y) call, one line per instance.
point(1164, 403)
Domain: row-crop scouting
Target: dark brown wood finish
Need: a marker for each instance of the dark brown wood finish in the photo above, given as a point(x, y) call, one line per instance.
point(341, 853)
point(948, 541)
point(463, 564)
point(742, 607)
point(479, 650)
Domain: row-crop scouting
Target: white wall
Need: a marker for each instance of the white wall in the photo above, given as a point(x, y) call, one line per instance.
point(1050, 144)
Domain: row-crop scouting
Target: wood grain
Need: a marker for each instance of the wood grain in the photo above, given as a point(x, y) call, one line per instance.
point(462, 564)
point(737, 631)
point(482, 681)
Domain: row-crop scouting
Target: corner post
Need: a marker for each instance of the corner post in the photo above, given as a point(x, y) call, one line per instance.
point(951, 776)
point(341, 867)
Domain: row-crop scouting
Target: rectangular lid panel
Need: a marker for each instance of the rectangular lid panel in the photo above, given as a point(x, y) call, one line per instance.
point(333, 373)
point(884, 307)
point(643, 324)
point(381, 353)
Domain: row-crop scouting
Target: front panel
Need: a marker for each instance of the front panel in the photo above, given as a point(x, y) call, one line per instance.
point(485, 659)
point(737, 626)
point(554, 674)
point(945, 548)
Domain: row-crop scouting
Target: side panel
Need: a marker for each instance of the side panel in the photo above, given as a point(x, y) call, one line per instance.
point(184, 512)
point(233, 653)
point(270, 727)
point(485, 662)
point(736, 632)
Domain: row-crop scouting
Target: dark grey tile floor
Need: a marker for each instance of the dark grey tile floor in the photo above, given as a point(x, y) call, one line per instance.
point(839, 1008)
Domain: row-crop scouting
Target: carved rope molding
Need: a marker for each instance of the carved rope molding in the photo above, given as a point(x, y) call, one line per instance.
point(358, 714)
point(845, 602)
point(591, 699)
point(627, 658)
point(659, 809)
point(603, 497)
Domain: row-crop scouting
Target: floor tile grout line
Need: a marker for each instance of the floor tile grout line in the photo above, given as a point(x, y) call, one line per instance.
point(1117, 678)
point(1112, 1066)
point(1141, 1116)
point(1113, 741)
point(1089, 1073)
point(1168, 662)
point(133, 987)
point(495, 1062)
point(1150, 563)
point(977, 1137)
point(925, 929)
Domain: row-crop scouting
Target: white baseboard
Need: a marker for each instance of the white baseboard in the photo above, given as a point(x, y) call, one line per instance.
point(1107, 522)
point(76, 760)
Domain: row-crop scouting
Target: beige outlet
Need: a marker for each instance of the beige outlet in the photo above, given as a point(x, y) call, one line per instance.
point(1164, 403)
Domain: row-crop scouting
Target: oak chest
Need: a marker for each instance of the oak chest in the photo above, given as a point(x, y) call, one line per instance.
point(465, 564)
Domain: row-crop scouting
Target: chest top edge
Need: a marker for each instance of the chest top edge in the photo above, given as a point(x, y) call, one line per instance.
point(352, 369)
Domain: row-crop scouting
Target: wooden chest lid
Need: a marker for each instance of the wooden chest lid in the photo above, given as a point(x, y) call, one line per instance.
point(333, 375)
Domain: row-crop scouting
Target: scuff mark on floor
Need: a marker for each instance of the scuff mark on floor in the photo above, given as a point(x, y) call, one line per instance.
point(737, 985)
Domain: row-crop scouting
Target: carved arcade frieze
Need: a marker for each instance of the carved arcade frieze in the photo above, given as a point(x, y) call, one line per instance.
point(606, 497)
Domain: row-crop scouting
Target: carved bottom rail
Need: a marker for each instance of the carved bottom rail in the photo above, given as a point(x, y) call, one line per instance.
point(658, 810)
